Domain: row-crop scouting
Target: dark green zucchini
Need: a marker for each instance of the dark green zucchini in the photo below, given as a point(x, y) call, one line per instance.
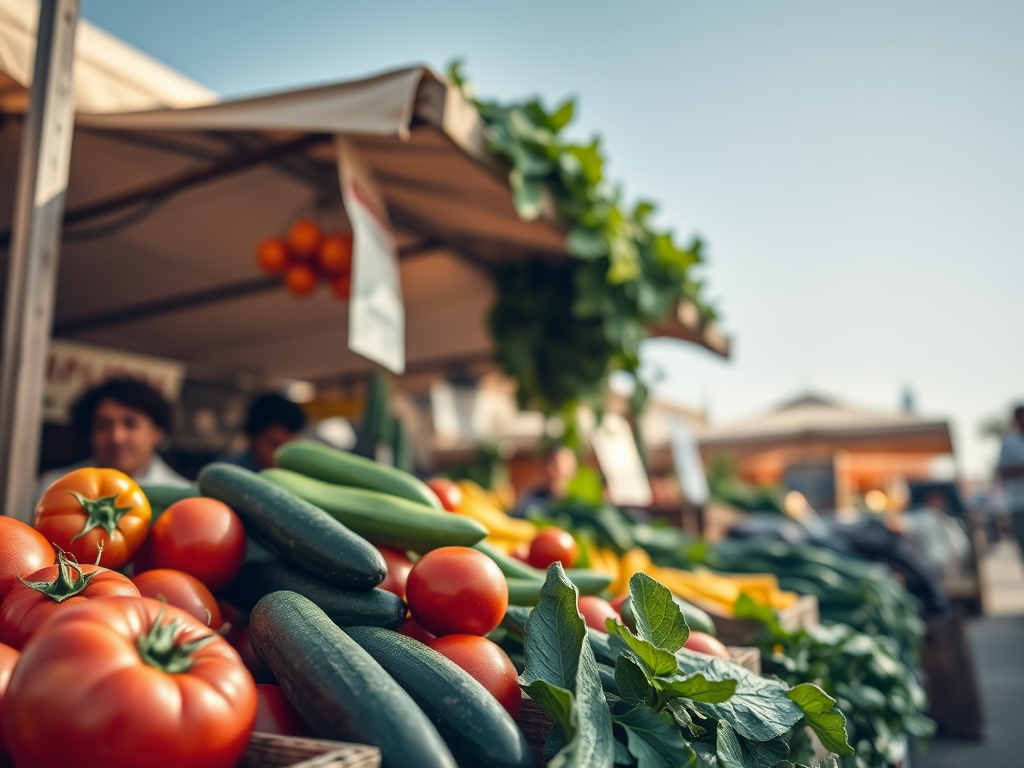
point(337, 688)
point(477, 729)
point(370, 607)
point(380, 517)
point(344, 468)
point(295, 530)
point(162, 496)
point(527, 591)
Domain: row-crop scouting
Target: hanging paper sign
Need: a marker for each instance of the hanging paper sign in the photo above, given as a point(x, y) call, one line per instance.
point(376, 315)
point(689, 467)
point(616, 451)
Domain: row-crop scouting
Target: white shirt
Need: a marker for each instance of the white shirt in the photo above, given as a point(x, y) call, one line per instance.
point(157, 473)
point(1012, 453)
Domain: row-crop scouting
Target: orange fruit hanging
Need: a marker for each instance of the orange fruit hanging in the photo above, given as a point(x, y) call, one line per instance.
point(336, 253)
point(341, 285)
point(304, 238)
point(272, 255)
point(300, 279)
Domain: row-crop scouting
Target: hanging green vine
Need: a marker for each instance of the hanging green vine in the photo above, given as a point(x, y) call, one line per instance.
point(562, 328)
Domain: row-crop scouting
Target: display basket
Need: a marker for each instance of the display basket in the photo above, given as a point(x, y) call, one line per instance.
point(267, 750)
point(803, 614)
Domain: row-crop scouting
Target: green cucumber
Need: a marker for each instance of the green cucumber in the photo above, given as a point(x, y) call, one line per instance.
point(371, 607)
point(509, 565)
point(344, 468)
point(475, 726)
point(295, 530)
point(337, 688)
point(381, 518)
point(162, 496)
point(696, 618)
point(527, 591)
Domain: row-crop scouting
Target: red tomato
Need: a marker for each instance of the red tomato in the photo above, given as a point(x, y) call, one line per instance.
point(398, 571)
point(91, 507)
point(182, 591)
point(595, 611)
point(701, 642)
point(335, 253)
point(487, 664)
point(304, 238)
point(300, 279)
point(52, 590)
point(272, 256)
point(201, 537)
point(552, 545)
point(617, 602)
point(8, 659)
point(457, 590)
point(411, 629)
point(275, 714)
point(145, 681)
point(23, 550)
point(447, 491)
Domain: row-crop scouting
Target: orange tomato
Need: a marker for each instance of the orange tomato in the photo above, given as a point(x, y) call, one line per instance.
point(304, 239)
point(272, 256)
point(89, 508)
point(336, 253)
point(341, 285)
point(300, 279)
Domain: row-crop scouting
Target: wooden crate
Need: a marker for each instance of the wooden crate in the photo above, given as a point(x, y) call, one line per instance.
point(803, 614)
point(267, 750)
point(536, 727)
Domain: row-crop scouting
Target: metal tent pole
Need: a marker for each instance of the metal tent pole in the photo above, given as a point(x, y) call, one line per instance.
point(32, 264)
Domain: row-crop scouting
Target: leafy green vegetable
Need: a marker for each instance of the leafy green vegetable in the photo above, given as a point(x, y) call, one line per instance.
point(822, 716)
point(653, 739)
point(562, 328)
point(561, 676)
point(658, 619)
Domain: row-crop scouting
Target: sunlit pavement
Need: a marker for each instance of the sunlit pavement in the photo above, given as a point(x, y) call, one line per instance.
point(997, 642)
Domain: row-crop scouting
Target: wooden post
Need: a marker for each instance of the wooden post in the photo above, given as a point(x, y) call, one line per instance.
point(35, 246)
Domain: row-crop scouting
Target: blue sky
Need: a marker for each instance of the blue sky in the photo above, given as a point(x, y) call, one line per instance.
point(857, 169)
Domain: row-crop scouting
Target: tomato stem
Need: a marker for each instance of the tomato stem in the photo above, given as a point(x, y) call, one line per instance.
point(157, 647)
point(103, 513)
point(64, 585)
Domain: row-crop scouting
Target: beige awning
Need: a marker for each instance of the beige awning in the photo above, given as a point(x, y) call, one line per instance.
point(166, 206)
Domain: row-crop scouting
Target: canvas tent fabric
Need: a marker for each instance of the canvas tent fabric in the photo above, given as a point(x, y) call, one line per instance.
point(814, 421)
point(168, 201)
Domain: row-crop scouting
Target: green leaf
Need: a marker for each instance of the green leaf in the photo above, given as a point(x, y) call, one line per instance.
point(728, 748)
point(657, 661)
point(586, 243)
point(586, 485)
point(560, 662)
point(658, 619)
point(823, 716)
point(561, 116)
point(684, 717)
point(654, 740)
point(632, 681)
point(759, 710)
point(526, 195)
point(698, 688)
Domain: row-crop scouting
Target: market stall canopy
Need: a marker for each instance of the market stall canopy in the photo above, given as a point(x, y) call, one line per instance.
point(812, 421)
point(166, 207)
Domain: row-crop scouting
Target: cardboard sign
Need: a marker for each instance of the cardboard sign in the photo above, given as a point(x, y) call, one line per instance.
point(689, 467)
point(620, 462)
point(73, 368)
point(376, 315)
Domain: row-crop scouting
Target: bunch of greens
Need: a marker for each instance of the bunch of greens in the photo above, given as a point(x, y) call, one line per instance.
point(642, 700)
point(883, 699)
point(562, 328)
point(849, 590)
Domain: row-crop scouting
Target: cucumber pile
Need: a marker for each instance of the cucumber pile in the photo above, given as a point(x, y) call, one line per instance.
point(321, 625)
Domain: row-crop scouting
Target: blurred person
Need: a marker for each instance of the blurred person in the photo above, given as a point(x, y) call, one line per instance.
point(560, 466)
point(272, 421)
point(124, 420)
point(1010, 471)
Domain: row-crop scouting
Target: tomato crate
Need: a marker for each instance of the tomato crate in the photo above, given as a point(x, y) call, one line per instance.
point(803, 614)
point(267, 750)
point(535, 725)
